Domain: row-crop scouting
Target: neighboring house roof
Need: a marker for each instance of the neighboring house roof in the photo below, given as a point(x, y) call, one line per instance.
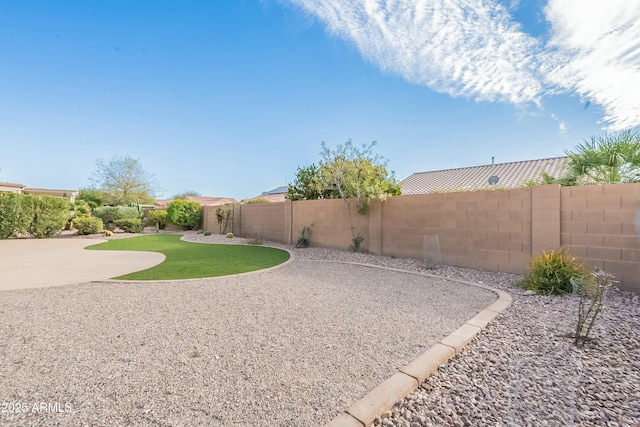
point(275, 195)
point(510, 175)
point(202, 200)
point(10, 187)
point(211, 201)
point(19, 188)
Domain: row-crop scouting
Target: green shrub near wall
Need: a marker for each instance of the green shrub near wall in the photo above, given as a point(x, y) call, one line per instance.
point(185, 214)
point(88, 225)
point(15, 214)
point(110, 214)
point(158, 217)
point(129, 225)
point(38, 216)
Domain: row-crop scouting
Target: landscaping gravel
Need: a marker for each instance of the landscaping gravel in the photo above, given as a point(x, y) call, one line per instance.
point(524, 369)
point(298, 344)
point(291, 346)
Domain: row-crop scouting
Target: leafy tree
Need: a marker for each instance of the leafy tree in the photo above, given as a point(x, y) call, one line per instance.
point(184, 194)
point(184, 213)
point(606, 159)
point(308, 185)
point(124, 180)
point(356, 173)
point(348, 172)
point(92, 197)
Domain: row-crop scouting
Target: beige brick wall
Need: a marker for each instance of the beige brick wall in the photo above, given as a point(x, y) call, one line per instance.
point(263, 220)
point(491, 230)
point(599, 225)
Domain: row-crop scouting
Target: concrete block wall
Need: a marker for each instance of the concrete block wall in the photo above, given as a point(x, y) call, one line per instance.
point(491, 230)
point(600, 224)
point(261, 220)
point(330, 222)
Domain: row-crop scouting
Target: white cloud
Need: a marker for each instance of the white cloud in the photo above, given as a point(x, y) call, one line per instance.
point(464, 48)
point(596, 53)
point(474, 48)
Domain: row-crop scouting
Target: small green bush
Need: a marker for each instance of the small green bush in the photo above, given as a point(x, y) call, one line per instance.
point(158, 218)
point(88, 225)
point(207, 233)
point(356, 242)
point(229, 235)
point(129, 225)
point(185, 214)
point(551, 272)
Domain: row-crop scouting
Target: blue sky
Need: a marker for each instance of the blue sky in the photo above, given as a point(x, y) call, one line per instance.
point(228, 98)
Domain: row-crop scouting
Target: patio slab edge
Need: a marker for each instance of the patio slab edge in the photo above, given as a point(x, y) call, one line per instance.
point(407, 379)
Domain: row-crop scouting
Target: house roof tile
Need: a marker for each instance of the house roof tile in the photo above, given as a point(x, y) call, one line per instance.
point(510, 175)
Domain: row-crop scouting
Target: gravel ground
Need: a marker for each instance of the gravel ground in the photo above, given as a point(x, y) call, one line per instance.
point(291, 346)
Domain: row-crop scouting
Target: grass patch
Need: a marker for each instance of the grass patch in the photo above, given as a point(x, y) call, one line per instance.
point(187, 260)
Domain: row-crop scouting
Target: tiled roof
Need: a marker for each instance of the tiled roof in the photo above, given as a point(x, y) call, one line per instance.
point(11, 184)
point(202, 200)
point(510, 175)
point(211, 201)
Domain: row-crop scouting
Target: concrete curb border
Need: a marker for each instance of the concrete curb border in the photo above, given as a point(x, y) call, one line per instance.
point(407, 379)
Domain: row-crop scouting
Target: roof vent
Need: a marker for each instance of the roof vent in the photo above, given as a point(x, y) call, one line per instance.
point(493, 180)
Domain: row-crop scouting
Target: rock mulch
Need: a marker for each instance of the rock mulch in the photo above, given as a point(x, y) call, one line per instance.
point(524, 369)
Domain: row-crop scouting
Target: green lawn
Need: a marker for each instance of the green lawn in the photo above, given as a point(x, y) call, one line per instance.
point(186, 260)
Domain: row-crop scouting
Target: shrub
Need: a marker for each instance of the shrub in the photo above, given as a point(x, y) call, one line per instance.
point(50, 216)
point(129, 225)
point(592, 292)
point(88, 225)
point(256, 201)
point(303, 240)
point(207, 233)
point(158, 218)
point(108, 233)
point(15, 214)
point(184, 213)
point(356, 242)
point(229, 235)
point(108, 215)
point(551, 273)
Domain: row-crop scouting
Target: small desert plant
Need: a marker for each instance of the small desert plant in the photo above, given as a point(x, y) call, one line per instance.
point(200, 232)
point(255, 241)
point(551, 272)
point(224, 214)
point(108, 233)
point(229, 235)
point(303, 240)
point(207, 233)
point(356, 242)
point(592, 292)
point(129, 225)
point(88, 225)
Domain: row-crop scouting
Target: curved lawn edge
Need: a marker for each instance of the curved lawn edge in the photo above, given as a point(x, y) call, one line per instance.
point(184, 261)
